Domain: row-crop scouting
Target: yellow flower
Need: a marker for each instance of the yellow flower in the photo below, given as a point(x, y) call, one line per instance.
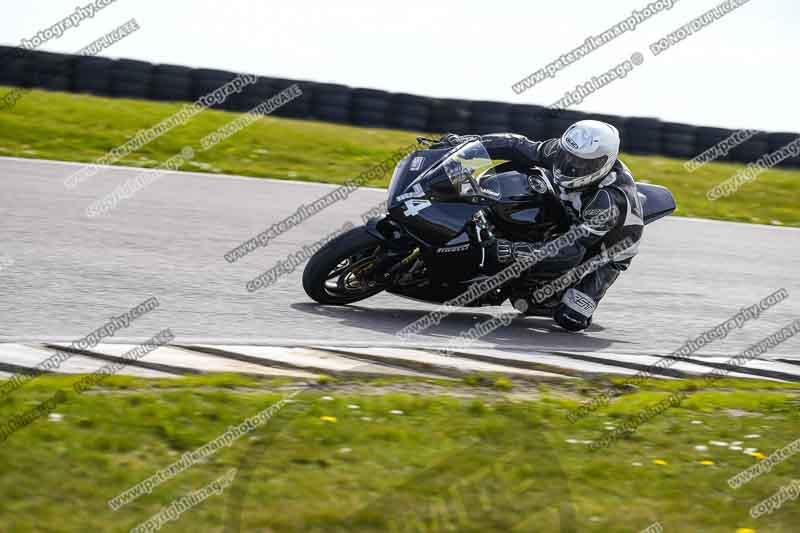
point(331, 419)
point(758, 455)
point(706, 462)
point(745, 530)
point(660, 462)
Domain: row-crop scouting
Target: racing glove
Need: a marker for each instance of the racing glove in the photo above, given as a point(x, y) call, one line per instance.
point(451, 140)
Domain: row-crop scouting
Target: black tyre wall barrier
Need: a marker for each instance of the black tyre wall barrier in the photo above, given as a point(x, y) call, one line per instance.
point(449, 116)
point(776, 141)
point(300, 107)
point(750, 150)
point(710, 137)
point(12, 66)
point(131, 79)
point(678, 140)
point(92, 75)
point(252, 95)
point(408, 112)
point(206, 81)
point(171, 83)
point(369, 107)
point(45, 70)
point(364, 107)
point(642, 136)
point(35, 69)
point(489, 117)
point(529, 120)
point(331, 102)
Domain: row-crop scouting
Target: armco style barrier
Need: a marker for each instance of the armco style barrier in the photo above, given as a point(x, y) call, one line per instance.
point(329, 102)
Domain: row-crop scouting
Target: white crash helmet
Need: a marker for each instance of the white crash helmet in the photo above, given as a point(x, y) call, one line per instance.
point(586, 152)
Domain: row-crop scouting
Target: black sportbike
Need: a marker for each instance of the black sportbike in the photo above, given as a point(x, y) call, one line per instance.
point(444, 205)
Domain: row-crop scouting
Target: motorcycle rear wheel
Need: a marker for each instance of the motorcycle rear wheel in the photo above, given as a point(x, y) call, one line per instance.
point(335, 274)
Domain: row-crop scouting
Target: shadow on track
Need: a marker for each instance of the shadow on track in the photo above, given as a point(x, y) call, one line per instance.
point(523, 332)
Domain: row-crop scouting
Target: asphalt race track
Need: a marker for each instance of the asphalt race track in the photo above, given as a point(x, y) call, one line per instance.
point(70, 273)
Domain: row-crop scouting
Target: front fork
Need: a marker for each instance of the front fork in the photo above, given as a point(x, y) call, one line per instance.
point(400, 251)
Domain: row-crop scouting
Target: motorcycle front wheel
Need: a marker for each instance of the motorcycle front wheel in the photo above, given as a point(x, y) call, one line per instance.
point(337, 273)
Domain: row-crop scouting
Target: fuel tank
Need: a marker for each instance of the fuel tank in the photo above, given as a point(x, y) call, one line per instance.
point(526, 206)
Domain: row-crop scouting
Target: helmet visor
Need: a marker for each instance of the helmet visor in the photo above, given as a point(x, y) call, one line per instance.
point(569, 166)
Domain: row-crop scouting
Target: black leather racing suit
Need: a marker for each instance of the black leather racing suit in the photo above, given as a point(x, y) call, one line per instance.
point(615, 194)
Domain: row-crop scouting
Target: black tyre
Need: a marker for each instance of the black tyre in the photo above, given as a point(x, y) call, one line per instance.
point(332, 114)
point(46, 70)
point(679, 138)
point(449, 116)
point(172, 83)
point(408, 122)
point(331, 95)
point(678, 150)
point(369, 107)
point(300, 107)
point(331, 102)
point(251, 96)
point(529, 120)
point(206, 81)
point(376, 119)
point(408, 112)
point(489, 117)
point(750, 150)
point(644, 148)
point(140, 91)
point(12, 72)
point(92, 75)
point(370, 100)
point(779, 140)
point(10, 53)
point(642, 136)
point(710, 137)
point(131, 79)
point(333, 274)
point(678, 128)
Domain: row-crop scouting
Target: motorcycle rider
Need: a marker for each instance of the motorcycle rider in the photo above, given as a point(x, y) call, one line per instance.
point(590, 180)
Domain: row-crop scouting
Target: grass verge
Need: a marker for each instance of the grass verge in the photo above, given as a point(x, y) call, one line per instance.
point(396, 455)
point(82, 128)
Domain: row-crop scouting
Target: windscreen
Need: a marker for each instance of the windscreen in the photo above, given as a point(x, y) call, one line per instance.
point(467, 166)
